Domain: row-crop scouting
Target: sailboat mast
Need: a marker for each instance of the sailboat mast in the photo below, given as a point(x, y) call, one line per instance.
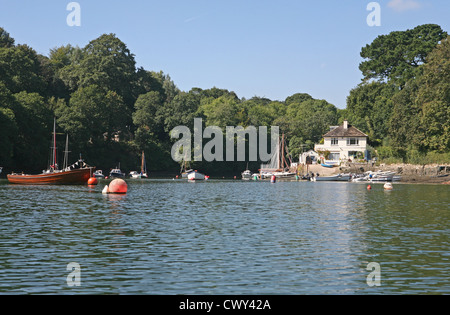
point(66, 153)
point(54, 144)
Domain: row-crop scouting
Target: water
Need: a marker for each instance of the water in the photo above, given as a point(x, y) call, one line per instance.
point(225, 237)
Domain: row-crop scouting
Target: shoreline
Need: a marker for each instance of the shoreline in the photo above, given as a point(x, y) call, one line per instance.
point(410, 173)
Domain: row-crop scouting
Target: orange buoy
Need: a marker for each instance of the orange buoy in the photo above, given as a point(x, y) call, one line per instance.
point(118, 186)
point(369, 187)
point(92, 181)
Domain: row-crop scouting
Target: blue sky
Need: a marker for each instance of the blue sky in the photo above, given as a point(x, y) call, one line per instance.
point(260, 48)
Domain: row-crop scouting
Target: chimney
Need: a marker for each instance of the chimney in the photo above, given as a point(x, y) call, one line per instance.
point(345, 124)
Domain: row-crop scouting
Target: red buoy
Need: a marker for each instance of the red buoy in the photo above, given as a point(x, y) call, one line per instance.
point(369, 187)
point(92, 181)
point(273, 179)
point(118, 186)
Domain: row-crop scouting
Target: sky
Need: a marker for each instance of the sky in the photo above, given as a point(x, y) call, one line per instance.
point(262, 48)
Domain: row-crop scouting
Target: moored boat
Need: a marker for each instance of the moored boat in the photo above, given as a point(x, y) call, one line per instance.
point(75, 176)
point(78, 173)
point(247, 175)
point(194, 175)
point(338, 177)
point(116, 172)
point(99, 174)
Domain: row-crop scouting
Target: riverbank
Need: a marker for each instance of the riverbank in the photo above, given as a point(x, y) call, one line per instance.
point(410, 173)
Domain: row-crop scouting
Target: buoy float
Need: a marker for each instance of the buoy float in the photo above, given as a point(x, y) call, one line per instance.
point(206, 177)
point(369, 187)
point(117, 186)
point(388, 186)
point(273, 179)
point(92, 181)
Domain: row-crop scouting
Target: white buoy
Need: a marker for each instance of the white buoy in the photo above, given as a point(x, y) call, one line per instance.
point(105, 190)
point(388, 186)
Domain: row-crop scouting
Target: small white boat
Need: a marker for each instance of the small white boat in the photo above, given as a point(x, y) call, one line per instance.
point(381, 176)
point(194, 175)
point(99, 174)
point(185, 173)
point(134, 174)
point(339, 177)
point(247, 175)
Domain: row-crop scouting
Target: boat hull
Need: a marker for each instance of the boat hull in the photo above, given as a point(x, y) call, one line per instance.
point(336, 178)
point(73, 177)
point(196, 176)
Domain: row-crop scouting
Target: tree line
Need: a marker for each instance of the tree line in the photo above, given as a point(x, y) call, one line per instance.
point(113, 110)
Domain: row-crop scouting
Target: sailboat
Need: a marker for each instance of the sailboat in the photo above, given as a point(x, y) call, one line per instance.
point(278, 165)
point(77, 173)
point(143, 173)
point(184, 171)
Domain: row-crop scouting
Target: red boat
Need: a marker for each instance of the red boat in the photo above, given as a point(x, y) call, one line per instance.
point(75, 176)
point(78, 173)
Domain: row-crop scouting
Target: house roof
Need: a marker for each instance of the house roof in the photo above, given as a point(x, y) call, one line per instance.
point(342, 132)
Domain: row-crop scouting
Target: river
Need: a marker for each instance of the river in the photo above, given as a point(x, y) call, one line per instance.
point(225, 237)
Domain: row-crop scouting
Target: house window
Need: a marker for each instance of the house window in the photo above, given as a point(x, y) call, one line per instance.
point(334, 157)
point(334, 141)
point(352, 141)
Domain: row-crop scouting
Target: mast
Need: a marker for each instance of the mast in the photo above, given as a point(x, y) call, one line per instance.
point(53, 160)
point(142, 163)
point(66, 153)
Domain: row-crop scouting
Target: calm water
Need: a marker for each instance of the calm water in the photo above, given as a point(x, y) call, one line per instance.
point(225, 237)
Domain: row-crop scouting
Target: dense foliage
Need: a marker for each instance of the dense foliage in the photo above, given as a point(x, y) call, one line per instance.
point(112, 110)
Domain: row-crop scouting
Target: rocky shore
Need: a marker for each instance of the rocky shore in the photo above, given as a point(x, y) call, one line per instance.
point(433, 174)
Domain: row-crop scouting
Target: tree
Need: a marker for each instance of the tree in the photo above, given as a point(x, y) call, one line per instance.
point(33, 119)
point(434, 95)
point(93, 115)
point(20, 69)
point(221, 111)
point(397, 57)
point(148, 118)
point(369, 108)
point(6, 41)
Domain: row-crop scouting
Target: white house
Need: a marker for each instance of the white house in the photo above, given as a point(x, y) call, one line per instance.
point(343, 142)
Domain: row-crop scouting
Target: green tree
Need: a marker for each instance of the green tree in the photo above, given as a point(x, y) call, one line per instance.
point(148, 118)
point(397, 57)
point(434, 95)
point(94, 115)
point(6, 41)
point(20, 69)
point(33, 119)
point(369, 108)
